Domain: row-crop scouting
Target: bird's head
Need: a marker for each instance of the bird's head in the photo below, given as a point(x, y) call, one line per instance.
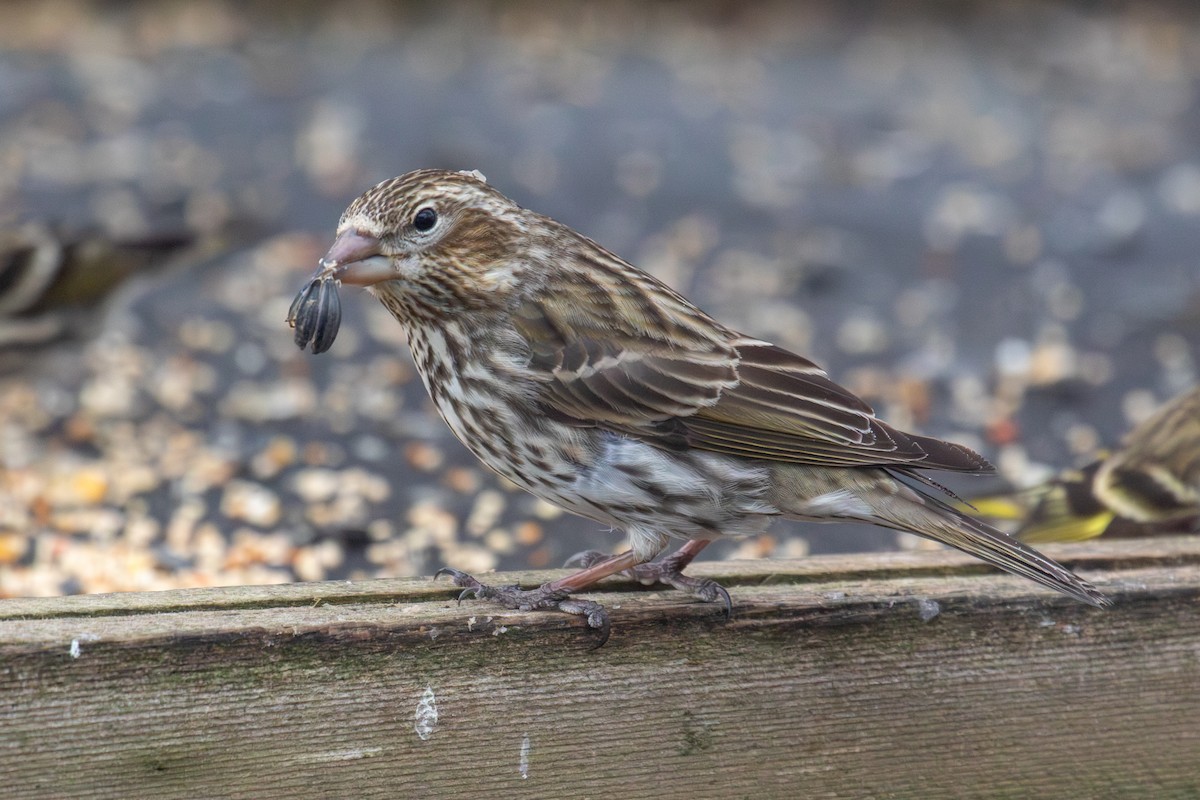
point(444, 235)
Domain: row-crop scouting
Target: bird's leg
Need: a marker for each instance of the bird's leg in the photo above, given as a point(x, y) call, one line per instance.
point(669, 571)
point(552, 595)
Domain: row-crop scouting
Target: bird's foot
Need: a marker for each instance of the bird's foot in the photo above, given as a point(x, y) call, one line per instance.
point(545, 597)
point(667, 571)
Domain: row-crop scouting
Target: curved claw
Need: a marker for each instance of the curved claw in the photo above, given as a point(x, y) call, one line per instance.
point(459, 577)
point(586, 558)
point(668, 572)
point(710, 592)
point(469, 584)
point(596, 615)
point(726, 600)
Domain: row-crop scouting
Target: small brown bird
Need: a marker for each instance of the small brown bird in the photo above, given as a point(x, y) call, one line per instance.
point(1151, 484)
point(596, 387)
point(49, 280)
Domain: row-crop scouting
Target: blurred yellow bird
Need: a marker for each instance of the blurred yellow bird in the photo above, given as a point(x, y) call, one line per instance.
point(1151, 484)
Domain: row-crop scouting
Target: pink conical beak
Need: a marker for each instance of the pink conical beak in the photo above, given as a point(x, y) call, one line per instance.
point(356, 258)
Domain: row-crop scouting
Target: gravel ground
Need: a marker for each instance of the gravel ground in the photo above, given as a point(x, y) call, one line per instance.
point(980, 216)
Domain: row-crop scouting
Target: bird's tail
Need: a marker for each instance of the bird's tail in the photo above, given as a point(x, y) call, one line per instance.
point(882, 499)
point(936, 520)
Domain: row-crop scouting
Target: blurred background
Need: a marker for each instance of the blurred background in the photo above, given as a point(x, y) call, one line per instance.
point(981, 216)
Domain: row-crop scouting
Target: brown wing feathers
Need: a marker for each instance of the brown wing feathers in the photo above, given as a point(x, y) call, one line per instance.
point(688, 380)
point(785, 408)
point(626, 379)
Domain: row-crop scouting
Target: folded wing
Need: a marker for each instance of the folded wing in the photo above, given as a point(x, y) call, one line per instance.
point(622, 352)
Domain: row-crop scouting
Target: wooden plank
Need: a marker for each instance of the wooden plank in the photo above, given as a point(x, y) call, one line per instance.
point(900, 675)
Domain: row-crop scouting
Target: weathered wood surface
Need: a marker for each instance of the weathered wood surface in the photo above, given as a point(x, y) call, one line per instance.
point(826, 683)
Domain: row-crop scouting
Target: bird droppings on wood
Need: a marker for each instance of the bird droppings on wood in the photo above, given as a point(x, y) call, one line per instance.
point(76, 648)
point(523, 756)
point(426, 715)
point(928, 609)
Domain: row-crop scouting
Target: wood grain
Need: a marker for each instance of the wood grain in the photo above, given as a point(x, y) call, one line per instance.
point(832, 680)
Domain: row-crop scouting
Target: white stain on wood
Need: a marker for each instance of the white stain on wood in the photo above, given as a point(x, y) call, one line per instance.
point(523, 760)
point(426, 715)
point(75, 650)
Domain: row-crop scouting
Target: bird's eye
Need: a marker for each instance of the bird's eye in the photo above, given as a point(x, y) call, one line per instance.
point(425, 219)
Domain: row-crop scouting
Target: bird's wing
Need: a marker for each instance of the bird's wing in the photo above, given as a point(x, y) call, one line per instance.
point(1156, 475)
point(635, 371)
point(785, 408)
point(625, 353)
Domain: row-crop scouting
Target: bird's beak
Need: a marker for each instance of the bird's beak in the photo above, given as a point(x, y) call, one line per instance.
point(357, 258)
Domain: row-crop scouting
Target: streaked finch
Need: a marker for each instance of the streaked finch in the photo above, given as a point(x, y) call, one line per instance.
point(1151, 484)
point(596, 387)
